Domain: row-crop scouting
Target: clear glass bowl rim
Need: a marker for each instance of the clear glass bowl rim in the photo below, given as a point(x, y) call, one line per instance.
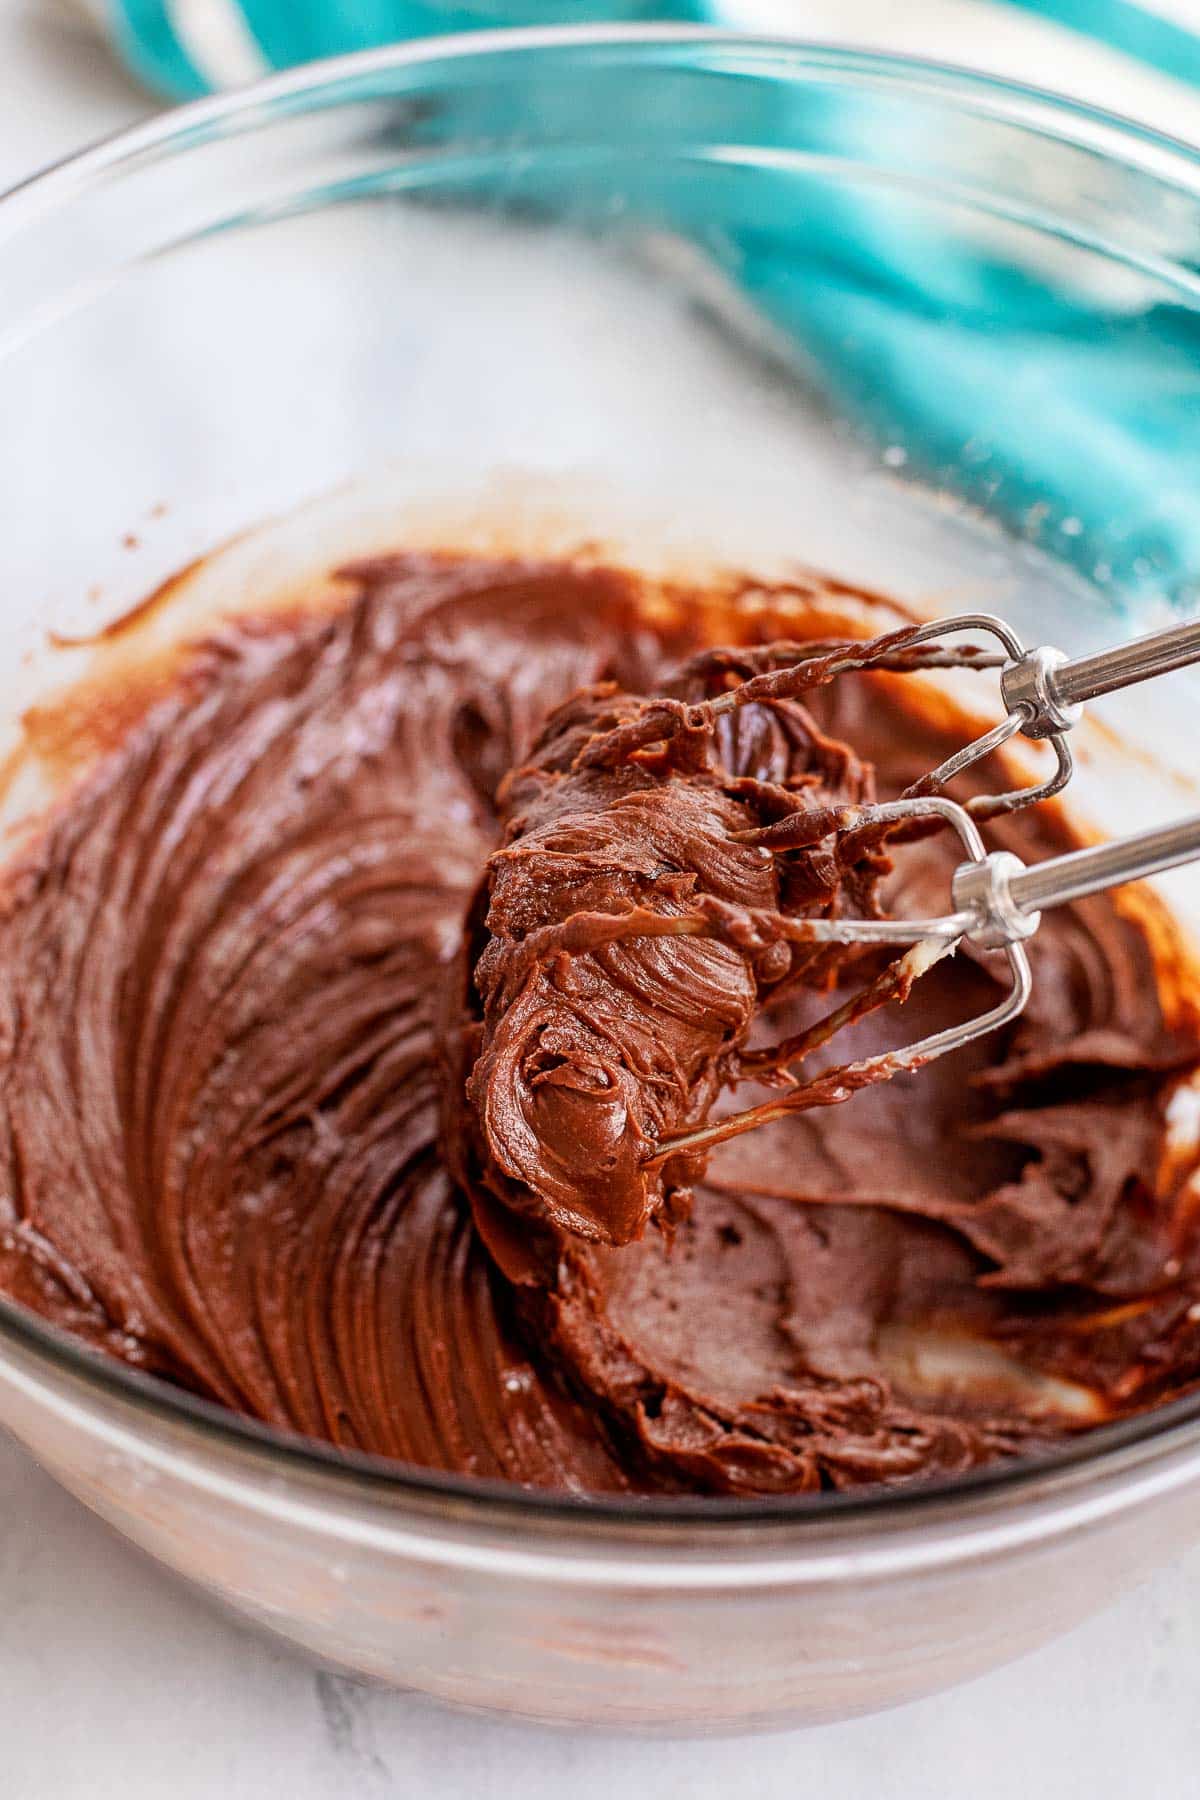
point(1104, 1450)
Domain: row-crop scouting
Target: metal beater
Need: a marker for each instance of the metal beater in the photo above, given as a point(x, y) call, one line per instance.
point(996, 899)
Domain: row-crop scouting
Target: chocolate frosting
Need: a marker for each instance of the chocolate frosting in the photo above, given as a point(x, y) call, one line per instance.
point(291, 1115)
point(665, 859)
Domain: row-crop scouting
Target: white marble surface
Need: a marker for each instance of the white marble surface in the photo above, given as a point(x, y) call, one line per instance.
point(114, 1681)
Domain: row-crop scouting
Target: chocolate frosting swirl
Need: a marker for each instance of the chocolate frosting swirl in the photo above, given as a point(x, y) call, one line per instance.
point(236, 1144)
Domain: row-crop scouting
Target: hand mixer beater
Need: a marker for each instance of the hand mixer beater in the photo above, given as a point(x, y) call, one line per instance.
point(996, 900)
point(593, 1056)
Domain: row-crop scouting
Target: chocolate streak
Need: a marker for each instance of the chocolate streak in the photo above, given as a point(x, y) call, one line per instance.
point(233, 976)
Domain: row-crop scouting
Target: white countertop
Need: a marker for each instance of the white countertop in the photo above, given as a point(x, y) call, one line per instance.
point(114, 1680)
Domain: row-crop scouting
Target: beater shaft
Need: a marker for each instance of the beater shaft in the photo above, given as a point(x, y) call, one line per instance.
point(1083, 872)
point(1046, 690)
point(1159, 653)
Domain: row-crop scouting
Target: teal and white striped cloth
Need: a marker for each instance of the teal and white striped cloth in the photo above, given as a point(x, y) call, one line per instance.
point(1095, 49)
point(921, 347)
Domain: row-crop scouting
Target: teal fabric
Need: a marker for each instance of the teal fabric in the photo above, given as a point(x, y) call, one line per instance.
point(1083, 434)
point(1075, 419)
point(149, 45)
point(296, 31)
point(288, 32)
point(1128, 28)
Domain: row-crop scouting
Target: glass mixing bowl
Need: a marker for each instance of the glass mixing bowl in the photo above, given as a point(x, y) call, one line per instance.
point(707, 300)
